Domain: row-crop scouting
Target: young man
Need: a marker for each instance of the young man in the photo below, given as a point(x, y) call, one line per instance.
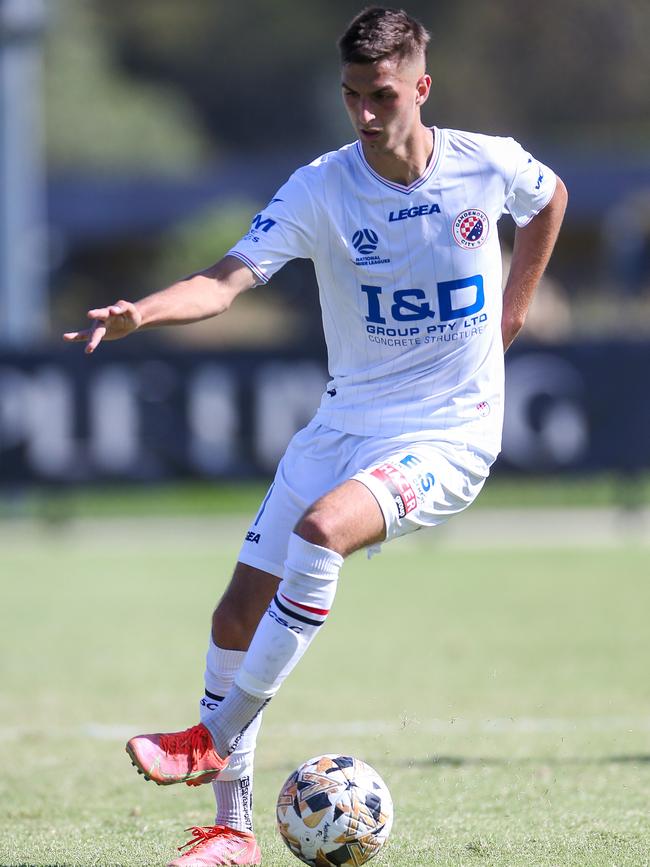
point(401, 227)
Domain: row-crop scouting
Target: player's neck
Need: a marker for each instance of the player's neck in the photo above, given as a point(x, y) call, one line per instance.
point(405, 164)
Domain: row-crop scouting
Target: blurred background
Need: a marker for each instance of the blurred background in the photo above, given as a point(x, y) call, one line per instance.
point(137, 142)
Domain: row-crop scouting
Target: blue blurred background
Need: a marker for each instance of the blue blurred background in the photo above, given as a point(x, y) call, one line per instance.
point(137, 142)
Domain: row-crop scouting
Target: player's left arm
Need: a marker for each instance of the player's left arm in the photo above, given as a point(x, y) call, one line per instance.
point(532, 250)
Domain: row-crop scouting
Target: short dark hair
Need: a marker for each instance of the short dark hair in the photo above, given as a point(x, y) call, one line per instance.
point(377, 33)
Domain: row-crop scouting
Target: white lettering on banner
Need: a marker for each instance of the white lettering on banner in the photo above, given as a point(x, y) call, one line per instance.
point(546, 423)
point(114, 420)
point(213, 419)
point(37, 413)
point(151, 419)
point(286, 396)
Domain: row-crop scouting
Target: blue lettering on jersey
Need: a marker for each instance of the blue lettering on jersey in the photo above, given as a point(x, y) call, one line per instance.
point(374, 310)
point(262, 224)
point(539, 179)
point(405, 309)
point(446, 291)
point(416, 211)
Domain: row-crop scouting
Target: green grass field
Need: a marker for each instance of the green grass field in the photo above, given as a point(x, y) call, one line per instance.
point(503, 694)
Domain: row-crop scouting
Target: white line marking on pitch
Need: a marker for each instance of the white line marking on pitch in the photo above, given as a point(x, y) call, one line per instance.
point(365, 728)
point(517, 725)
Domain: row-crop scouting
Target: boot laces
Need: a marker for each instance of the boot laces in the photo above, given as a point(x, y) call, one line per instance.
point(204, 835)
point(195, 740)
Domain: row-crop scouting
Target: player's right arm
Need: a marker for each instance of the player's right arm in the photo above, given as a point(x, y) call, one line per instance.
point(199, 296)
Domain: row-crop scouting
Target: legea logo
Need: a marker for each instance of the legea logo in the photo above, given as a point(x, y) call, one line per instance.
point(365, 241)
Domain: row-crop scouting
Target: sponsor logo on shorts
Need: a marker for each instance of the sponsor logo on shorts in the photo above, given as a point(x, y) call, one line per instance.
point(483, 408)
point(252, 536)
point(471, 228)
point(399, 487)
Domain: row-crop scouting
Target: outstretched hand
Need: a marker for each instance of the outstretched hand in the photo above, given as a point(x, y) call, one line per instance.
point(108, 323)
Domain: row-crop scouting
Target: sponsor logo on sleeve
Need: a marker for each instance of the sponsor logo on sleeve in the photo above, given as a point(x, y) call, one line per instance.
point(260, 223)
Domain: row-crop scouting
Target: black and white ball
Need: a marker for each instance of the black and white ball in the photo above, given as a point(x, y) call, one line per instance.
point(334, 810)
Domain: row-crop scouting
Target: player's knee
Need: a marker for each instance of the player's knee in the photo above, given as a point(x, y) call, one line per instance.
point(320, 527)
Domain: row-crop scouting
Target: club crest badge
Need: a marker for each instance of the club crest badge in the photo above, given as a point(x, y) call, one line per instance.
point(471, 228)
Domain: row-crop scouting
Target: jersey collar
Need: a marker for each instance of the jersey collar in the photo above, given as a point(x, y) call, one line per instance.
point(429, 172)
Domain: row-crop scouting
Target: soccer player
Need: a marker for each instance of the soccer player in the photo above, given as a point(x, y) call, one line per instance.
point(402, 228)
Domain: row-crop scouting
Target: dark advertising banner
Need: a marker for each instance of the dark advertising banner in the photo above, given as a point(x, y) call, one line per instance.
point(66, 418)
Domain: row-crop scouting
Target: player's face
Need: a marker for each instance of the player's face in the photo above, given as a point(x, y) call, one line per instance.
point(383, 100)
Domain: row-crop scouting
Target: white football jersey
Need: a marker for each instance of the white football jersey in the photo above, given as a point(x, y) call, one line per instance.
point(410, 282)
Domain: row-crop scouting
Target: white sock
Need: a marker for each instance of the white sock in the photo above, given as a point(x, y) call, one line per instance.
point(234, 803)
point(293, 618)
point(234, 789)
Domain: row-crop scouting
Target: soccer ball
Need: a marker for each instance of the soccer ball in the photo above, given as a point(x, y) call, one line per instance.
point(334, 810)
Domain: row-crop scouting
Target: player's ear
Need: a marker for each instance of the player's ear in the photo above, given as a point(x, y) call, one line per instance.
point(422, 89)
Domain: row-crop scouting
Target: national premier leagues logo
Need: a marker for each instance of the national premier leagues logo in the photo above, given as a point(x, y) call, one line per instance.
point(471, 228)
point(365, 241)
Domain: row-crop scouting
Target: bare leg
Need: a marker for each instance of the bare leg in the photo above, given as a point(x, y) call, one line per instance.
point(245, 600)
point(344, 520)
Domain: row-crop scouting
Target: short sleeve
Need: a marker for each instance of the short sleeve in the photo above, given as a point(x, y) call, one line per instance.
point(532, 186)
point(284, 230)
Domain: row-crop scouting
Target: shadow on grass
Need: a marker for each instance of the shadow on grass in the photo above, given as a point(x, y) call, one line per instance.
point(478, 761)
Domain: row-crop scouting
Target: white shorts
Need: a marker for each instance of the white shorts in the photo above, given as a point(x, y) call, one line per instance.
point(416, 484)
